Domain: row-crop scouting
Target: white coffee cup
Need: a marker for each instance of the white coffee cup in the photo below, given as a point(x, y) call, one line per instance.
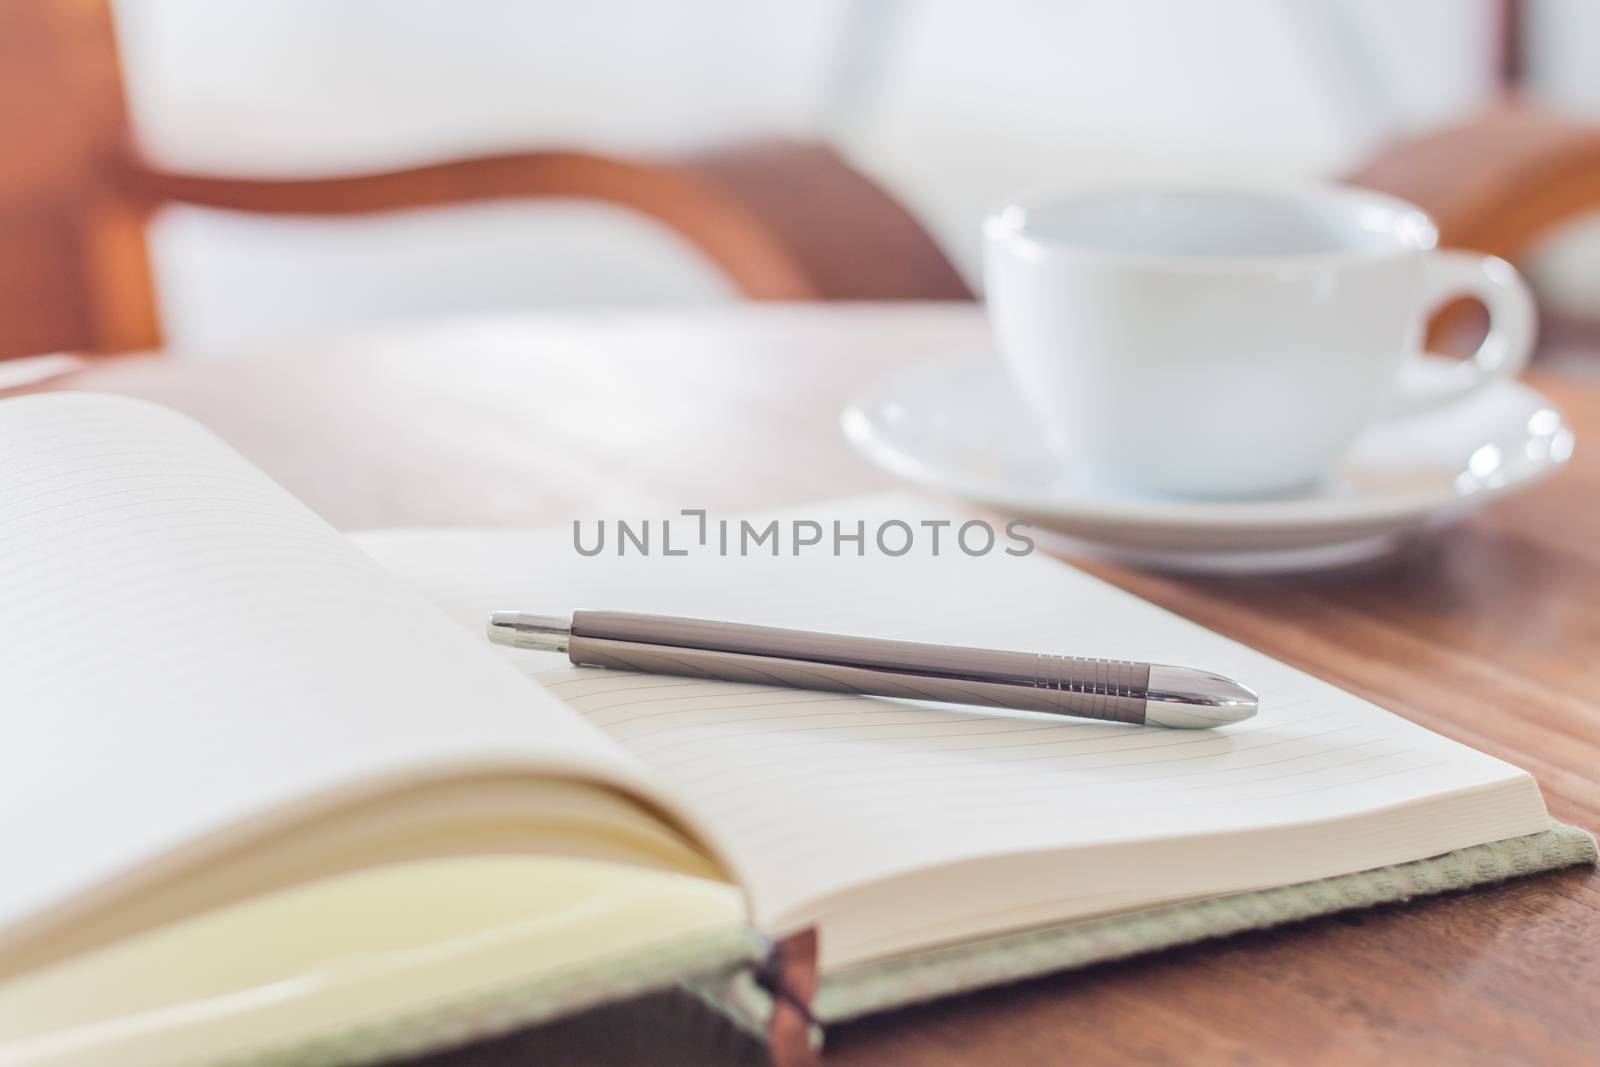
point(1230, 342)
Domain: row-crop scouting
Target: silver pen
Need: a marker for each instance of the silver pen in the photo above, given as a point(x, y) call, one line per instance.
point(1145, 694)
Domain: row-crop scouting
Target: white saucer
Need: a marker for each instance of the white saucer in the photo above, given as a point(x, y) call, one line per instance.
point(959, 429)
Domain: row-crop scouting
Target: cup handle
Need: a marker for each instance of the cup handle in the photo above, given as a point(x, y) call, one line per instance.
point(1505, 350)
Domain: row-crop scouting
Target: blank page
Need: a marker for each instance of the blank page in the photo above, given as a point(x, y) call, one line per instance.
point(185, 646)
point(820, 798)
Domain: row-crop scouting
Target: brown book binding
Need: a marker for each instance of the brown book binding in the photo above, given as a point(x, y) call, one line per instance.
point(793, 1034)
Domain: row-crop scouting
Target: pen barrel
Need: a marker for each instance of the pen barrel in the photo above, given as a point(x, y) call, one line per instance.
point(1113, 690)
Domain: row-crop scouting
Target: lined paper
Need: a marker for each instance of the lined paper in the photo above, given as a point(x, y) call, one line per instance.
point(185, 646)
point(820, 797)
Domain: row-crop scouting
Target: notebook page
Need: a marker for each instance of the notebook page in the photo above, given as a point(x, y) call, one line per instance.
point(186, 645)
point(818, 795)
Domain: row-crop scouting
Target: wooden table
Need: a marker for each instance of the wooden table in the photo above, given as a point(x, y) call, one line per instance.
point(1489, 633)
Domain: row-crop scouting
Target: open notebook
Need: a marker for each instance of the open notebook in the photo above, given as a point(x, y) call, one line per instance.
point(271, 794)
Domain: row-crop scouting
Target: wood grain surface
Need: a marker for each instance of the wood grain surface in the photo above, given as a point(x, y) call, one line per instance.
point(1488, 632)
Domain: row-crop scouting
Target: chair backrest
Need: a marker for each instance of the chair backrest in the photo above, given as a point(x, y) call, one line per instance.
point(782, 220)
point(745, 246)
point(61, 112)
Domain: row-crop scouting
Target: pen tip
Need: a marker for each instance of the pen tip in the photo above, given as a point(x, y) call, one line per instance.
point(1189, 699)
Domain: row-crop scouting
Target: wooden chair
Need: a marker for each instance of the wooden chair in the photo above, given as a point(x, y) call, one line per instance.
point(783, 220)
point(1499, 183)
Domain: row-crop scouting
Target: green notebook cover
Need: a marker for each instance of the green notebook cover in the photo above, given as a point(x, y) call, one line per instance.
point(730, 978)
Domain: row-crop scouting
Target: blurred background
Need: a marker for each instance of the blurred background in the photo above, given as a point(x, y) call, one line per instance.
point(203, 175)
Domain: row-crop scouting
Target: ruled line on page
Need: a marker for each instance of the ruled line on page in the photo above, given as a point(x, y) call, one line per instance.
point(787, 747)
point(881, 774)
point(815, 860)
point(975, 803)
point(703, 701)
point(1055, 791)
point(952, 772)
